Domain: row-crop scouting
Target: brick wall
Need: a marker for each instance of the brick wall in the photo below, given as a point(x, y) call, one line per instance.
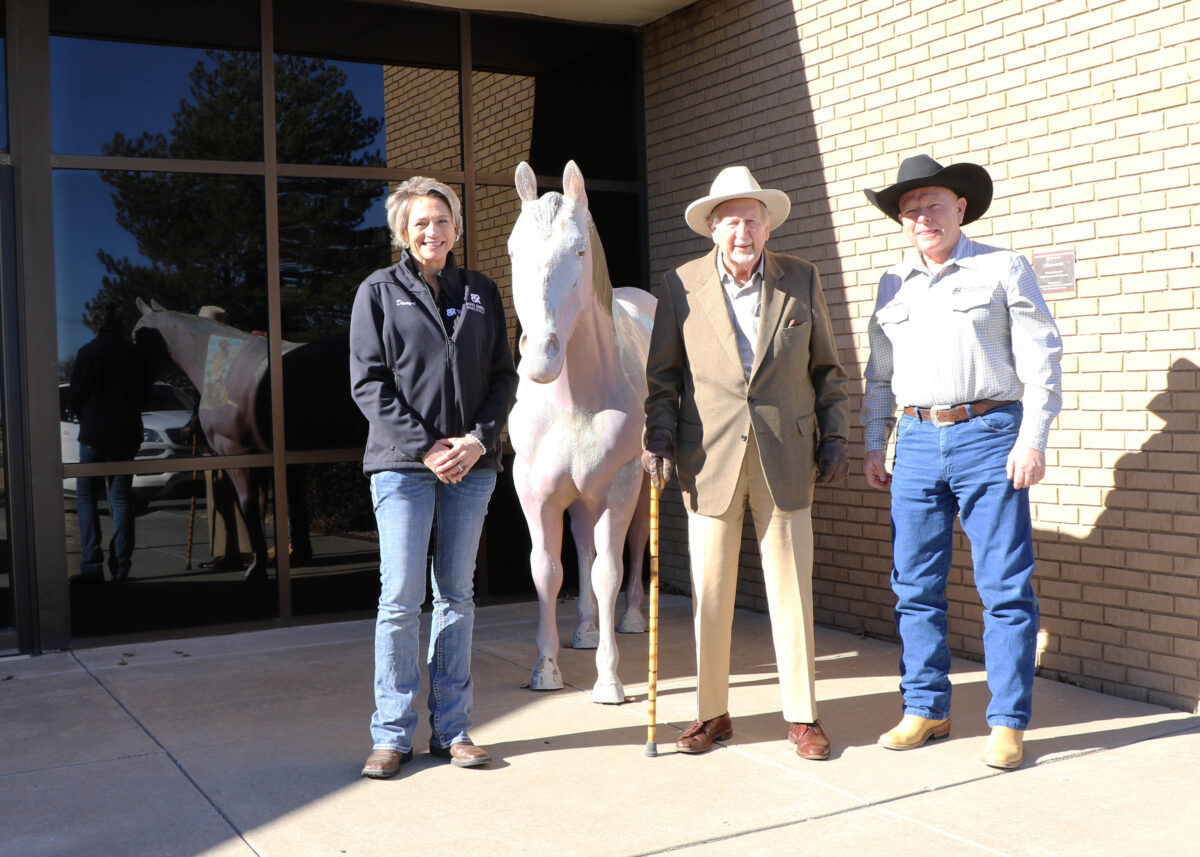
point(1084, 113)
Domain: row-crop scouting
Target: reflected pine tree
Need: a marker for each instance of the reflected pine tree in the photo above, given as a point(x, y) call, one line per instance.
point(203, 236)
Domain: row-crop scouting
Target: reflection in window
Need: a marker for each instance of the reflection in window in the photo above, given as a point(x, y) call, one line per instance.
point(138, 100)
point(573, 92)
point(332, 233)
point(172, 580)
point(182, 240)
point(328, 112)
point(497, 209)
point(423, 127)
point(334, 545)
point(415, 105)
point(3, 86)
point(127, 241)
point(503, 120)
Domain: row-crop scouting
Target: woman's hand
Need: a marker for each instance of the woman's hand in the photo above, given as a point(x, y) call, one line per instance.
point(452, 458)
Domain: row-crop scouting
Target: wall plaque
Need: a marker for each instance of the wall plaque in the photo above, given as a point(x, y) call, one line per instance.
point(1055, 270)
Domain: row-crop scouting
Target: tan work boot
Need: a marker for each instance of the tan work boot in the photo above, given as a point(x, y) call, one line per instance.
point(1005, 748)
point(913, 731)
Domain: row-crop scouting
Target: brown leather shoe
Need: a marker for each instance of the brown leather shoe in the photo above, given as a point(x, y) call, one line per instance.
point(464, 754)
point(699, 737)
point(810, 740)
point(382, 764)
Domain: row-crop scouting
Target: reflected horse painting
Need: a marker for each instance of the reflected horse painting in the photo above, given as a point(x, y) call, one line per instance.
point(577, 424)
point(230, 369)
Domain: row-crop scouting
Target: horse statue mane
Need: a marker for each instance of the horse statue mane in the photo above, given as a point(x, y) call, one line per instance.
point(577, 425)
point(545, 210)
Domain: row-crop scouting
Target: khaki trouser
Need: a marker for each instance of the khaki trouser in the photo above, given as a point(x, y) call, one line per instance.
point(785, 544)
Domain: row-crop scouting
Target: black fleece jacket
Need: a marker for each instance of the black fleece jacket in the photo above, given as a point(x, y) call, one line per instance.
point(416, 385)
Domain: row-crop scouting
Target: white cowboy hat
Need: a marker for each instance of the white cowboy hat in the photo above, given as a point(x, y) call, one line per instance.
point(736, 183)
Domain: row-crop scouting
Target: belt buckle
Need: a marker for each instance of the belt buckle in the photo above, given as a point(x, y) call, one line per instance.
point(933, 415)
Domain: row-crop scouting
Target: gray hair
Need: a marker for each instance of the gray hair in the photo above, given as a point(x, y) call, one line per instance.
point(399, 202)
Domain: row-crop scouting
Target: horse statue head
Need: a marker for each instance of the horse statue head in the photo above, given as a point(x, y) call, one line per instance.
point(559, 273)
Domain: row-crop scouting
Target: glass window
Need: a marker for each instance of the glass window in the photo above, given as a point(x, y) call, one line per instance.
point(172, 551)
point(334, 543)
point(563, 91)
point(170, 80)
point(130, 244)
point(341, 97)
point(139, 100)
point(497, 208)
point(3, 84)
point(503, 118)
point(329, 111)
point(332, 233)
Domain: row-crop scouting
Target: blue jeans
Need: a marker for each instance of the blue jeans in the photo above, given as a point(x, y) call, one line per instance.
point(88, 490)
point(938, 473)
point(409, 505)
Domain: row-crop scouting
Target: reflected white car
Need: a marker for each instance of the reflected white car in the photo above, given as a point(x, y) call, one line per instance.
point(166, 433)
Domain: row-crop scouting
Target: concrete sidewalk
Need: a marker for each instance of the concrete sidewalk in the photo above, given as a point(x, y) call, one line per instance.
point(251, 744)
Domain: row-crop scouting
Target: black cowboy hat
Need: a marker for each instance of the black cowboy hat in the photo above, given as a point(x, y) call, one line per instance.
point(969, 181)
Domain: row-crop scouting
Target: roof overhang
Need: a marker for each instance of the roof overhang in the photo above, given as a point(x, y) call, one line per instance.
point(633, 13)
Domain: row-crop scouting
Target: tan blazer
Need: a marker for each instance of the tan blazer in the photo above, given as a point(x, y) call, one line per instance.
point(698, 390)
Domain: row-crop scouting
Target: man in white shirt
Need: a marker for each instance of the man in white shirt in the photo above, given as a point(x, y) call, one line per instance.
point(962, 340)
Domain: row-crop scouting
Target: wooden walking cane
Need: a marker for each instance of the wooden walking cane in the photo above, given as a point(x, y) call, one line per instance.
point(192, 512)
point(652, 695)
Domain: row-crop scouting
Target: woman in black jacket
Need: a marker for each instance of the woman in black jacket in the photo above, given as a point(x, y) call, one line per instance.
point(432, 371)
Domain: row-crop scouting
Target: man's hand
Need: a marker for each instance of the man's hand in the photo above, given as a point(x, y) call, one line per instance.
point(1026, 466)
point(658, 458)
point(875, 470)
point(832, 464)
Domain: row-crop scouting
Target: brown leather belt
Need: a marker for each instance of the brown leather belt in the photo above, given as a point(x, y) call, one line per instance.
point(951, 414)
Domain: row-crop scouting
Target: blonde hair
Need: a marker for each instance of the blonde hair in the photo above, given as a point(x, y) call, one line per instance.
point(399, 202)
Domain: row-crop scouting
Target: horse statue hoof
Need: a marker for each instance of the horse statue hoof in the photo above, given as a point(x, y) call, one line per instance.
point(608, 692)
point(587, 636)
point(546, 675)
point(633, 622)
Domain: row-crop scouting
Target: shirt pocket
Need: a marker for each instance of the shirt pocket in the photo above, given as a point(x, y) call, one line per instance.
point(969, 300)
point(895, 312)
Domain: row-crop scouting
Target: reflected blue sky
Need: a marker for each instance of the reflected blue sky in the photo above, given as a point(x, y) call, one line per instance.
point(84, 222)
point(97, 89)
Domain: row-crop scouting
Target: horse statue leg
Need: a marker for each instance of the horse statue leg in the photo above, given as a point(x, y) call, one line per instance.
point(545, 562)
point(632, 620)
point(606, 581)
point(587, 634)
point(251, 490)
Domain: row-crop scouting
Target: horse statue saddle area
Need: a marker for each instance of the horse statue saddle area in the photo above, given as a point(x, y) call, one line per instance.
point(230, 370)
point(576, 428)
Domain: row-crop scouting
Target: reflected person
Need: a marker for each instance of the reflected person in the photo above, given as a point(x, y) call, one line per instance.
point(432, 371)
point(108, 388)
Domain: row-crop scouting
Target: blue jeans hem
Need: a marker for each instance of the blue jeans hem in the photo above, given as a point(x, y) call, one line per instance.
point(1010, 722)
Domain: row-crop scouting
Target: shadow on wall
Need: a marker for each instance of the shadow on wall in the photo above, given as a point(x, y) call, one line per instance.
point(709, 106)
point(1122, 606)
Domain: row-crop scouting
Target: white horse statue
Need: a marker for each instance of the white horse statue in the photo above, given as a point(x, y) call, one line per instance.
point(577, 424)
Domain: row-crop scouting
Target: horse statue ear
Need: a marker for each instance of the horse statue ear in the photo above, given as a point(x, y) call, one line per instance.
point(157, 306)
point(142, 307)
point(526, 183)
point(573, 184)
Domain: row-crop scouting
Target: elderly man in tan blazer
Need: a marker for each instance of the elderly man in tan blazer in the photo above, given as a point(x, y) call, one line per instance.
point(747, 403)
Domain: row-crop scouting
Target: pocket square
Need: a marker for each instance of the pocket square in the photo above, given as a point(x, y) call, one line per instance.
point(793, 323)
